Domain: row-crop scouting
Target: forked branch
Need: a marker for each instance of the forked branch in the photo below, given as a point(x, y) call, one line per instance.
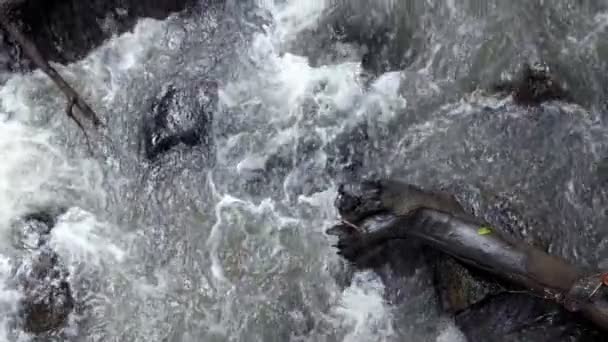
point(32, 52)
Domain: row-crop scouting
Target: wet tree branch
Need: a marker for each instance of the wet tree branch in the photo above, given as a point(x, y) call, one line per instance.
point(537, 272)
point(393, 210)
point(32, 52)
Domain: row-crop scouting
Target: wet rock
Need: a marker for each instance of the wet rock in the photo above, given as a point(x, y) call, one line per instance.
point(534, 85)
point(381, 35)
point(180, 116)
point(66, 30)
point(48, 299)
point(43, 280)
point(458, 287)
point(520, 317)
point(601, 170)
point(347, 153)
point(32, 230)
point(501, 212)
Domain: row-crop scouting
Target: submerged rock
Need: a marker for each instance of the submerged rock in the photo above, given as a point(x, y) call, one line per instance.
point(381, 33)
point(534, 85)
point(48, 300)
point(43, 280)
point(181, 115)
point(31, 231)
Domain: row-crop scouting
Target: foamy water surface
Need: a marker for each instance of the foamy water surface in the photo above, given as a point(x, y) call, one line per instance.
point(189, 249)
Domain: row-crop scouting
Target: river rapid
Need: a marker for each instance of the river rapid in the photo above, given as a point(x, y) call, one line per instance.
point(225, 241)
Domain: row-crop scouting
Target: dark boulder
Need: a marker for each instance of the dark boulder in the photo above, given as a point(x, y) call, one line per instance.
point(534, 85)
point(66, 30)
point(48, 300)
point(41, 277)
point(180, 116)
point(519, 317)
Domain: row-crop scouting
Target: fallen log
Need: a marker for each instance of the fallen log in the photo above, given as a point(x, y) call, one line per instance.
point(380, 213)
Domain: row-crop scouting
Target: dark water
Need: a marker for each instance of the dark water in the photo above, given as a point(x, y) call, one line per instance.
point(224, 241)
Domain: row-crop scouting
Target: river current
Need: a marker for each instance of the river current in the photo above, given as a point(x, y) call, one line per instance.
point(229, 244)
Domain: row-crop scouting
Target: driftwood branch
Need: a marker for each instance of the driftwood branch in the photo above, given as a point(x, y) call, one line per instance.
point(471, 241)
point(32, 52)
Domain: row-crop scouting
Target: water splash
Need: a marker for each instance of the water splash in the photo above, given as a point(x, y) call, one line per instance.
point(364, 311)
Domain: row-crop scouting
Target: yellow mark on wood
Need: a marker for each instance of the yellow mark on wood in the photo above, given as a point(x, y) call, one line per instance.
point(484, 230)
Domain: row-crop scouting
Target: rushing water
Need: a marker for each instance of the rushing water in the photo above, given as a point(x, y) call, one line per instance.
point(229, 246)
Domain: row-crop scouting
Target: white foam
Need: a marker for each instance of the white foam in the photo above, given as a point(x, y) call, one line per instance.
point(287, 83)
point(363, 311)
point(79, 238)
point(35, 171)
point(292, 17)
point(28, 164)
point(451, 333)
point(283, 82)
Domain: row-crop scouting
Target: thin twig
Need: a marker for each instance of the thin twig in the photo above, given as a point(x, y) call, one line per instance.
point(352, 225)
point(69, 111)
point(597, 288)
